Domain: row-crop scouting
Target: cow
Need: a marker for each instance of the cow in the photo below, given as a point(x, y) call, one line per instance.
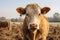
point(35, 24)
point(6, 24)
point(3, 24)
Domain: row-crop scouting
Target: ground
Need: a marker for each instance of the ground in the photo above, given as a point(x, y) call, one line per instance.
point(16, 32)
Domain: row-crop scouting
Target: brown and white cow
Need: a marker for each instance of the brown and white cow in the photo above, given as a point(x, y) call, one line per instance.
point(35, 25)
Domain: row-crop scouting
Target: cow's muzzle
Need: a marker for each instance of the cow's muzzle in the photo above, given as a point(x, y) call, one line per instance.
point(33, 26)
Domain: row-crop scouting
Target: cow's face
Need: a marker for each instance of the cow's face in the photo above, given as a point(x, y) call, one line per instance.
point(33, 15)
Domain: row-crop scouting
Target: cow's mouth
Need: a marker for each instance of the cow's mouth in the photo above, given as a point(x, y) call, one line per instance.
point(33, 29)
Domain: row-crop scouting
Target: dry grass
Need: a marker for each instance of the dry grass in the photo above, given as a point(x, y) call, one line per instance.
point(16, 32)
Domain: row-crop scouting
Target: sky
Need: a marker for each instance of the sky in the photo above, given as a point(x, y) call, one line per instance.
point(8, 7)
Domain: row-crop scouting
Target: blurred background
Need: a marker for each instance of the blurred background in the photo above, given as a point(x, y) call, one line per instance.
point(11, 21)
point(8, 9)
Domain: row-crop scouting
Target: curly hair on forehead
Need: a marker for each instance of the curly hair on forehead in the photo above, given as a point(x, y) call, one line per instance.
point(33, 5)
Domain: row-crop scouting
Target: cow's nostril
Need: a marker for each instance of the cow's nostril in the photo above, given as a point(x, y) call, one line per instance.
point(33, 25)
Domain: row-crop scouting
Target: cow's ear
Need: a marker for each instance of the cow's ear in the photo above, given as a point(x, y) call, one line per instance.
point(45, 10)
point(21, 10)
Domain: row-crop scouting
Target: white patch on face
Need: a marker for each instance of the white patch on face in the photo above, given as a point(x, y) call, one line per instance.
point(35, 21)
point(29, 10)
point(39, 10)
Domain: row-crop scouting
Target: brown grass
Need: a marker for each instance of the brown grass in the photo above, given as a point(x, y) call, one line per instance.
point(16, 32)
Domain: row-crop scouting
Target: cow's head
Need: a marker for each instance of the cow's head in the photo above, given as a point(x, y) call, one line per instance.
point(33, 14)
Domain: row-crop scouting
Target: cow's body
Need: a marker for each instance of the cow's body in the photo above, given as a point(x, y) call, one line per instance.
point(35, 25)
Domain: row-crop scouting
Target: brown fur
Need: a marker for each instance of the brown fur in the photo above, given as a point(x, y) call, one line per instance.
point(21, 10)
point(43, 28)
point(42, 33)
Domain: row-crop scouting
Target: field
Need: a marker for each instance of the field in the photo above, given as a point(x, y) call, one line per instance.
point(14, 31)
point(55, 24)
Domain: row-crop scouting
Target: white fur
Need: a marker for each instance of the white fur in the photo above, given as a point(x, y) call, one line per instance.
point(33, 23)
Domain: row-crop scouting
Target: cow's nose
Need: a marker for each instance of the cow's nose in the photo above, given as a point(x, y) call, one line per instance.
point(33, 25)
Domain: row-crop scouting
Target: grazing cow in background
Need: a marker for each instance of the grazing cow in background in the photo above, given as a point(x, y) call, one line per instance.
point(3, 24)
point(6, 24)
point(35, 25)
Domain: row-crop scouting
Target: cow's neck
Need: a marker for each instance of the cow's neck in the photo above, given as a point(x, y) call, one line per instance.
point(33, 35)
point(30, 34)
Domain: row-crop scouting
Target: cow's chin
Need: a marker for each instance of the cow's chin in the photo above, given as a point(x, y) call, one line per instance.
point(33, 29)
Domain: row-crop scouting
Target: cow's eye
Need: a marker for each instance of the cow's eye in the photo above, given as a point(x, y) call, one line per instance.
point(27, 14)
point(39, 14)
